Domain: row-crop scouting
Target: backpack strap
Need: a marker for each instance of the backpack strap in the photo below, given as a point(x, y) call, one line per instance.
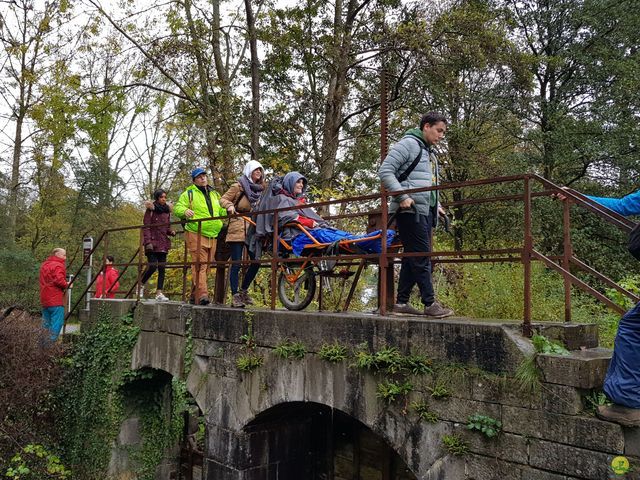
point(404, 175)
point(190, 196)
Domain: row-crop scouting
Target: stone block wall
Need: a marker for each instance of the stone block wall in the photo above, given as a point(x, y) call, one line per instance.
point(546, 433)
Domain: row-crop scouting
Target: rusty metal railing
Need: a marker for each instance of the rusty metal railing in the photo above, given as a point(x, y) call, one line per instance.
point(524, 253)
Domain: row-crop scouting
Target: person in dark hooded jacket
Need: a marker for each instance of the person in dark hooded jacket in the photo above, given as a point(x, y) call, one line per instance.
point(283, 192)
point(156, 240)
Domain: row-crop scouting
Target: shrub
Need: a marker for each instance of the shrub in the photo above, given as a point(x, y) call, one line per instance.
point(19, 280)
point(30, 368)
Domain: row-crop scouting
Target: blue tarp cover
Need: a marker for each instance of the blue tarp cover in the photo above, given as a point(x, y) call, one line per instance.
point(330, 235)
point(622, 384)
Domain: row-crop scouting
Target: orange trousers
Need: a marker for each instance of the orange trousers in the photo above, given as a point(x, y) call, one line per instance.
point(202, 254)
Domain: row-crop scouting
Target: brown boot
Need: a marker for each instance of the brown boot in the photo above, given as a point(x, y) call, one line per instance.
point(245, 297)
point(236, 301)
point(629, 417)
point(435, 310)
point(406, 309)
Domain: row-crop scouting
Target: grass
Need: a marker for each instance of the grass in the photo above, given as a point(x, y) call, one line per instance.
point(333, 352)
point(423, 411)
point(454, 445)
point(289, 349)
point(390, 391)
point(249, 362)
point(528, 375)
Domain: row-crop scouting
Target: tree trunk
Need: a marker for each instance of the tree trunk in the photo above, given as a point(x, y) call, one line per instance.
point(15, 179)
point(255, 82)
point(337, 91)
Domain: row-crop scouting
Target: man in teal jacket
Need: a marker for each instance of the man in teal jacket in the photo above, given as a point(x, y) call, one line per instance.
point(416, 213)
point(200, 201)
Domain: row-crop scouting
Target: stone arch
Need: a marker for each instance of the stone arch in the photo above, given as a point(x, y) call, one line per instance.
point(309, 440)
point(237, 400)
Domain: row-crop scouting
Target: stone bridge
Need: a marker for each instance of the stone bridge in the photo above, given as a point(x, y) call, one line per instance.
point(311, 418)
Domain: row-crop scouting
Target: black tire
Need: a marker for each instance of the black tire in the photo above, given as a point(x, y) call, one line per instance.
point(297, 296)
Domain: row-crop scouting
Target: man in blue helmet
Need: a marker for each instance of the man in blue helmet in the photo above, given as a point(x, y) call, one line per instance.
point(198, 201)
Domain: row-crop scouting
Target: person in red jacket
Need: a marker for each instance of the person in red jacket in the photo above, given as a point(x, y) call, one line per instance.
point(107, 282)
point(53, 283)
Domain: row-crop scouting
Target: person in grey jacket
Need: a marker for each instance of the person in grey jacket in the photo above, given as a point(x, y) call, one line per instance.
point(418, 212)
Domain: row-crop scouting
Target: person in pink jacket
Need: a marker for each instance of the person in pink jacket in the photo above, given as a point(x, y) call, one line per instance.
point(107, 282)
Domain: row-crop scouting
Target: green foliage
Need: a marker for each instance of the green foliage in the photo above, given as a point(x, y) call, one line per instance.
point(454, 445)
point(159, 432)
point(489, 426)
point(19, 279)
point(595, 399)
point(440, 390)
point(249, 362)
point(90, 400)
point(528, 376)
point(391, 361)
point(389, 391)
point(333, 352)
point(544, 345)
point(35, 462)
point(289, 349)
point(423, 411)
point(631, 284)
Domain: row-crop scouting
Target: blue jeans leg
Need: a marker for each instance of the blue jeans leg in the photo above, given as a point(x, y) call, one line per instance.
point(234, 273)
point(52, 320)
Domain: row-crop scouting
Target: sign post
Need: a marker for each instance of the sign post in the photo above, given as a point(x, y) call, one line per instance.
point(87, 247)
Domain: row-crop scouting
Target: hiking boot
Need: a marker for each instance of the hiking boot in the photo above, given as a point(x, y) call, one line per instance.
point(204, 301)
point(435, 310)
point(236, 300)
point(161, 297)
point(245, 297)
point(405, 309)
point(629, 417)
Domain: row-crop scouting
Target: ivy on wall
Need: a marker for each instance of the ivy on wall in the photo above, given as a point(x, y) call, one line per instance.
point(100, 391)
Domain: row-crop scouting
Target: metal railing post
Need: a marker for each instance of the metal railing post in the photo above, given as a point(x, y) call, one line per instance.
point(196, 281)
point(526, 257)
point(567, 254)
point(103, 267)
point(140, 254)
point(184, 267)
point(274, 260)
point(384, 261)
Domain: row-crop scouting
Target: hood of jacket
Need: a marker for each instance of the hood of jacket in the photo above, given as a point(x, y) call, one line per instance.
point(289, 182)
point(417, 133)
point(250, 167)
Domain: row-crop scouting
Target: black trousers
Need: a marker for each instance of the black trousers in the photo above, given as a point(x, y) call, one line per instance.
point(415, 233)
point(155, 258)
